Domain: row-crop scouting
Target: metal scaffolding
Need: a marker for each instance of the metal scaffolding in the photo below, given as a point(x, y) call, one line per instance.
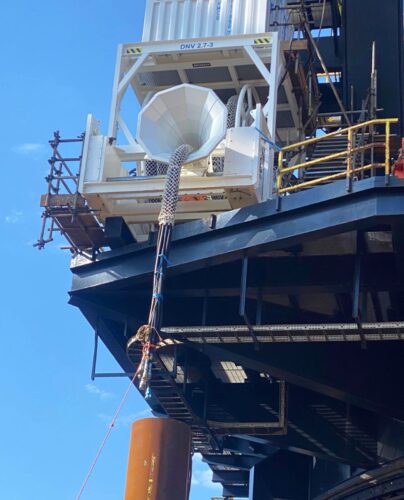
point(65, 211)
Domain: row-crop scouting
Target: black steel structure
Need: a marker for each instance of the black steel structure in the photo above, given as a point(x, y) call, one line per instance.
point(316, 397)
point(362, 24)
point(283, 322)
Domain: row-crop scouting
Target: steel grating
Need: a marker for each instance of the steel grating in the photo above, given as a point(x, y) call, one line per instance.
point(267, 334)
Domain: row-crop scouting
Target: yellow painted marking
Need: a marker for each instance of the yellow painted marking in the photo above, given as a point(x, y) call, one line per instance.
point(262, 41)
point(134, 50)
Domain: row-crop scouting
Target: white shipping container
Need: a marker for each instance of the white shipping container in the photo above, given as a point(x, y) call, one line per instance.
point(184, 19)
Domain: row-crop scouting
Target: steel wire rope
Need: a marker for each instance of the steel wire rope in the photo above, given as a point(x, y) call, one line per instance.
point(105, 439)
point(148, 334)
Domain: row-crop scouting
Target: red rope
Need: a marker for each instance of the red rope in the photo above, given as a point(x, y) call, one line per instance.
point(104, 441)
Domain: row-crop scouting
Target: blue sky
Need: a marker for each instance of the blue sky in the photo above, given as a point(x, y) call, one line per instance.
point(57, 65)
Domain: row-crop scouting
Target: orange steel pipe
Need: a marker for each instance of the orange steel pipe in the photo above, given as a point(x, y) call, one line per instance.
point(159, 460)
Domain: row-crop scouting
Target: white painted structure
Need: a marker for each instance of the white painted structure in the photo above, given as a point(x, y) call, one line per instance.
point(182, 19)
point(248, 65)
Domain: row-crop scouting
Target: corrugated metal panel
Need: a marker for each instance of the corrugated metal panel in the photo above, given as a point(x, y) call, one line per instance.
point(179, 19)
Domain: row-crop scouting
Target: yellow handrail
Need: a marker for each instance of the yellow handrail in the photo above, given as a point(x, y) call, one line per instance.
point(387, 155)
point(348, 153)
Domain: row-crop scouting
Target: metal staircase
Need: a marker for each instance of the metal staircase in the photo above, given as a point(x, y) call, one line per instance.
point(353, 153)
point(172, 399)
point(327, 147)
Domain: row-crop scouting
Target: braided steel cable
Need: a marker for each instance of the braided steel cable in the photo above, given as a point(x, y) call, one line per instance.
point(170, 196)
point(231, 111)
point(153, 168)
point(148, 334)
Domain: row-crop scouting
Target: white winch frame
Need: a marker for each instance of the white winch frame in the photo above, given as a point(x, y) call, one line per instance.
point(104, 157)
point(259, 50)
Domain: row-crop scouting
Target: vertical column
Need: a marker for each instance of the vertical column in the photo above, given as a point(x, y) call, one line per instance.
point(271, 106)
point(159, 460)
point(112, 127)
point(271, 116)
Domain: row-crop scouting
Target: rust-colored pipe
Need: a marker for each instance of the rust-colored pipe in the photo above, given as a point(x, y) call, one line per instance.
point(159, 460)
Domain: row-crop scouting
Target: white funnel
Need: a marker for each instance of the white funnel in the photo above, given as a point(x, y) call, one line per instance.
point(182, 115)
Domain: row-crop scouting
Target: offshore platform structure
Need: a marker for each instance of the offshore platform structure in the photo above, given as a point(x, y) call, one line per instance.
point(281, 343)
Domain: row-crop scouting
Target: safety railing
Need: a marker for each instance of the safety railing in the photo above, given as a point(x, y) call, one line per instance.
point(354, 165)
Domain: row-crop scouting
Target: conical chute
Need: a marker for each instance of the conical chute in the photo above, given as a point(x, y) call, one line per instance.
point(185, 114)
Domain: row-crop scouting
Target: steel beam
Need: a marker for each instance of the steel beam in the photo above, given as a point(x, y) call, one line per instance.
point(243, 462)
point(317, 425)
point(373, 484)
point(107, 334)
point(252, 230)
point(340, 371)
point(237, 445)
point(232, 491)
point(243, 300)
point(230, 476)
point(398, 244)
point(272, 478)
